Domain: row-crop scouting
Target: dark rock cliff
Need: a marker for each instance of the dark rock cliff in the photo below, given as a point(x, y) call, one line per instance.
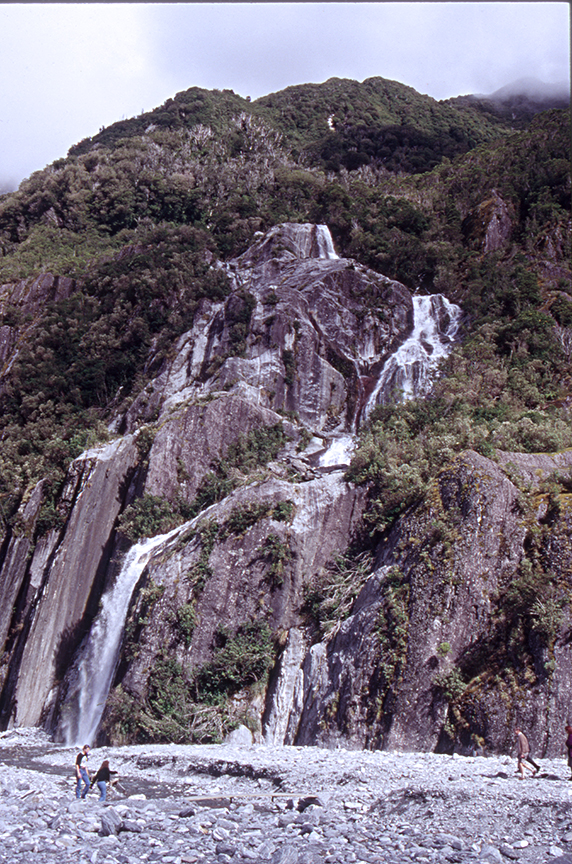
point(228, 437)
point(291, 338)
point(478, 575)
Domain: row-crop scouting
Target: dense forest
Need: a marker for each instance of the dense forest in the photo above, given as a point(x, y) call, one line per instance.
point(455, 198)
point(139, 213)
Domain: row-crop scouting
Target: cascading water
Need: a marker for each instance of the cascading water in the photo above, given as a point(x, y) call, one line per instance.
point(339, 452)
point(97, 661)
point(410, 369)
point(325, 243)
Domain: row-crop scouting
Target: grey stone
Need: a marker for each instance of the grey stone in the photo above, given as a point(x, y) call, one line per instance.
point(242, 736)
point(225, 848)
point(490, 855)
point(131, 826)
point(509, 852)
point(111, 822)
point(285, 855)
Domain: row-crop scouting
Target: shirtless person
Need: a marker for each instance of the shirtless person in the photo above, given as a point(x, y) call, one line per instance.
point(523, 754)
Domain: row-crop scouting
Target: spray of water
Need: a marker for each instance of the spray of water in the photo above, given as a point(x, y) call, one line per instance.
point(97, 661)
point(410, 370)
point(325, 243)
point(339, 452)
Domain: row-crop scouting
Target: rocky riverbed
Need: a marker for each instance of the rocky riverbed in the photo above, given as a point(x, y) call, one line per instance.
point(236, 803)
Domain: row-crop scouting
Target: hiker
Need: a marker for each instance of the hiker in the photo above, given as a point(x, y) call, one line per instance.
point(81, 772)
point(523, 755)
point(102, 778)
point(569, 747)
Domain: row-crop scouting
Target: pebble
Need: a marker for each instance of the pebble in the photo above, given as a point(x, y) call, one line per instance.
point(278, 805)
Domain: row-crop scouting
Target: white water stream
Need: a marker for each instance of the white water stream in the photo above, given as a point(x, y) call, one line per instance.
point(409, 371)
point(325, 243)
point(98, 659)
point(339, 452)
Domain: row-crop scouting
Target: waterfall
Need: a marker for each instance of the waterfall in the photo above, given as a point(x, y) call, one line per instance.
point(410, 369)
point(97, 661)
point(339, 452)
point(325, 243)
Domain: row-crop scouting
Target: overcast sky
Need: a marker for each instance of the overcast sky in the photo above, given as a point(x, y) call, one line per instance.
point(69, 68)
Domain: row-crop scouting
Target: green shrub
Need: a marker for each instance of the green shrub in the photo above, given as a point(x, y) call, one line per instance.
point(283, 511)
point(48, 518)
point(201, 571)
point(148, 516)
point(392, 625)
point(243, 659)
point(330, 597)
point(277, 553)
point(561, 309)
point(243, 518)
point(187, 619)
point(547, 616)
point(451, 684)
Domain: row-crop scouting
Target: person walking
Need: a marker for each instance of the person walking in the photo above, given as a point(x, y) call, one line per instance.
point(569, 747)
point(102, 778)
point(523, 754)
point(81, 772)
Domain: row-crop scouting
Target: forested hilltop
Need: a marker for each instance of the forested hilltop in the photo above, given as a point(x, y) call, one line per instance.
point(110, 255)
point(138, 217)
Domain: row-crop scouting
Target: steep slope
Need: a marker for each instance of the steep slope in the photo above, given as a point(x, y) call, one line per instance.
point(242, 608)
point(338, 123)
point(209, 423)
point(167, 380)
point(463, 629)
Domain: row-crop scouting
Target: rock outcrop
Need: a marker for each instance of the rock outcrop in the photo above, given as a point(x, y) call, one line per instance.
point(488, 227)
point(55, 593)
point(319, 330)
point(288, 350)
point(464, 611)
point(467, 610)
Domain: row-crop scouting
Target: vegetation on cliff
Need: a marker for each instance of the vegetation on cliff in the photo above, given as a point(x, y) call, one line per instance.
point(140, 219)
point(443, 197)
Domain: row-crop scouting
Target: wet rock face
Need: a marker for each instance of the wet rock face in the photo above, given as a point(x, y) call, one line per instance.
point(59, 586)
point(428, 657)
point(192, 440)
point(292, 337)
point(427, 648)
point(488, 226)
point(319, 328)
point(242, 584)
point(289, 242)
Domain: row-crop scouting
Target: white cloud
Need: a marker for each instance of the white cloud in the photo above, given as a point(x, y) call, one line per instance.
point(68, 68)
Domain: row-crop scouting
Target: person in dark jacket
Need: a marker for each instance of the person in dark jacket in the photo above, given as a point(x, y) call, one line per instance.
point(523, 754)
point(102, 778)
point(569, 747)
point(81, 772)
